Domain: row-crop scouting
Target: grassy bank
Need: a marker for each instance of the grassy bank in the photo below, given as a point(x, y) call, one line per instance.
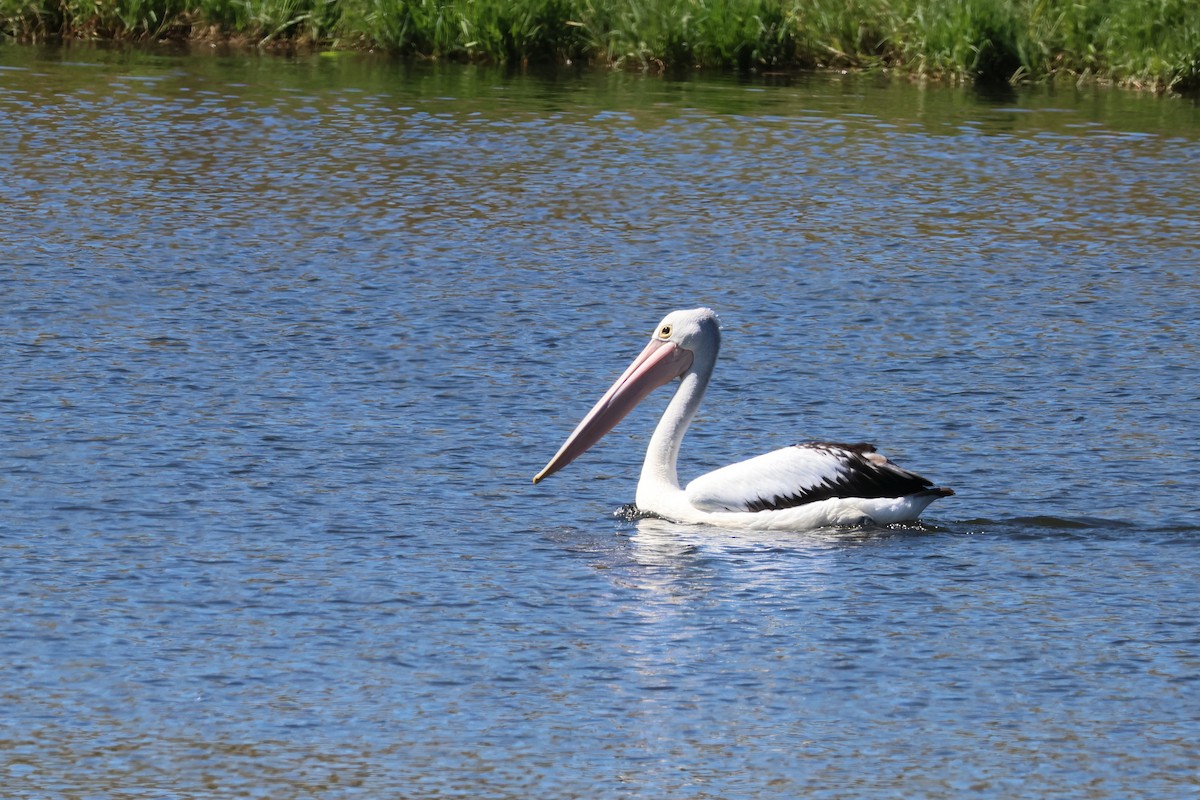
point(1152, 43)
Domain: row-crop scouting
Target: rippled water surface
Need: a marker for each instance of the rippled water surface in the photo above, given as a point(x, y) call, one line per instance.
point(285, 340)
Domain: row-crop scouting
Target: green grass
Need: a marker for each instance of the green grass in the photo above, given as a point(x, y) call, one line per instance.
point(1150, 43)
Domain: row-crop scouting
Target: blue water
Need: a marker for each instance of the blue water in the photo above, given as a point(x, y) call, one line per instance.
point(285, 341)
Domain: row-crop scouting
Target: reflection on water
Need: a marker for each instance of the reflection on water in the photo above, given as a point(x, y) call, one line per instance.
point(288, 338)
point(674, 540)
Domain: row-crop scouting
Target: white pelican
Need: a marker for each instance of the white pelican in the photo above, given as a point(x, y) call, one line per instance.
point(810, 485)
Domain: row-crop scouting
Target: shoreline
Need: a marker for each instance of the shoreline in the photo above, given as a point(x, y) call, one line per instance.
point(1140, 44)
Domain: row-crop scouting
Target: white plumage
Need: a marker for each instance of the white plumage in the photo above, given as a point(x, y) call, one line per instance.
point(816, 484)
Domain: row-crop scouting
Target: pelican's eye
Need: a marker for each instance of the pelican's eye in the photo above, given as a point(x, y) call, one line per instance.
point(664, 332)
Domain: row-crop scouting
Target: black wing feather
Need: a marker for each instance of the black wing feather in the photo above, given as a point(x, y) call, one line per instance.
point(864, 473)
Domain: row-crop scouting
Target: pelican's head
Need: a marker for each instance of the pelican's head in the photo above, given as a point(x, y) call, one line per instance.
point(681, 339)
point(697, 329)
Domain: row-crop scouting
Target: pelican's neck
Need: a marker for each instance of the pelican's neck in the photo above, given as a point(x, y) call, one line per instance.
point(659, 481)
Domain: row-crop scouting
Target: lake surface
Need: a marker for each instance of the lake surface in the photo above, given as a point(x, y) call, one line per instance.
point(286, 339)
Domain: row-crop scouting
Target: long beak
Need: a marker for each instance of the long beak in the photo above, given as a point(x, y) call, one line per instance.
point(661, 362)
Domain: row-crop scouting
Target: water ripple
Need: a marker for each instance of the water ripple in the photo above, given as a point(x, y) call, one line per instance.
point(288, 337)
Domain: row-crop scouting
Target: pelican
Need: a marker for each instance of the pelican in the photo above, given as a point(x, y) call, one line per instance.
point(809, 485)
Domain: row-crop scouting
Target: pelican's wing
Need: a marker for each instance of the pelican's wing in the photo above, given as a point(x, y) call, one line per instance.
point(804, 473)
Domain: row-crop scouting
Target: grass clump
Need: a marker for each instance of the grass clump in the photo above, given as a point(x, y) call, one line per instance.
point(1153, 43)
point(525, 31)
